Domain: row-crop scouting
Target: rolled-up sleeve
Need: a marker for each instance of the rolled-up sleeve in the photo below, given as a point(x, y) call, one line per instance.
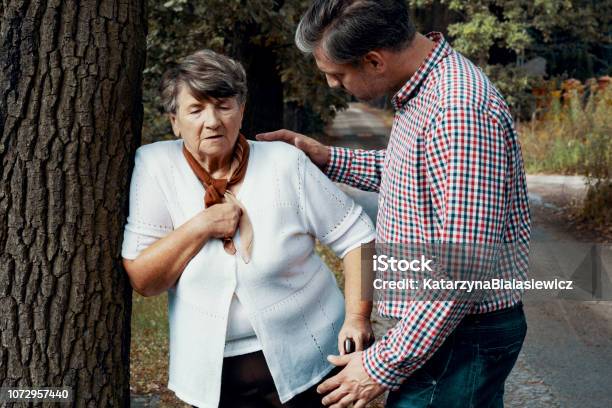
point(149, 218)
point(330, 215)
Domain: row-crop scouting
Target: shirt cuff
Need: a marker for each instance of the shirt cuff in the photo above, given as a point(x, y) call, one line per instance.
point(380, 370)
point(339, 163)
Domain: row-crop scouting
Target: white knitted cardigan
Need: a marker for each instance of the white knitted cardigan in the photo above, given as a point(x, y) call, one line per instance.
point(291, 297)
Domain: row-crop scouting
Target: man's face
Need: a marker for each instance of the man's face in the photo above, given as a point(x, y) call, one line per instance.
point(358, 80)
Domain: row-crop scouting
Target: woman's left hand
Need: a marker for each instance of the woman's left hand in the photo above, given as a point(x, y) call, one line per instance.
point(357, 328)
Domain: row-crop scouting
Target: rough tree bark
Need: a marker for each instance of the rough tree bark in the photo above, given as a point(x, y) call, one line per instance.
point(70, 119)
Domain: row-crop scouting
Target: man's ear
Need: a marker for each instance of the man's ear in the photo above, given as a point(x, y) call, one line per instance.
point(175, 127)
point(375, 61)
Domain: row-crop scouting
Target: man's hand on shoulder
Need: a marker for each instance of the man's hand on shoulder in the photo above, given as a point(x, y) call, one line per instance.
point(318, 152)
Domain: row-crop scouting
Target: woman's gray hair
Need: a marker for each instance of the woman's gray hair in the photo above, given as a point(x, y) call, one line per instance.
point(349, 29)
point(206, 74)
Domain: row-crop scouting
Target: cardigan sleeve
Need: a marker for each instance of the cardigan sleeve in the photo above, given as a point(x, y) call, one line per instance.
point(330, 215)
point(149, 218)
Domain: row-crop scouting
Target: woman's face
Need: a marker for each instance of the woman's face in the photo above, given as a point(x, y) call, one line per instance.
point(208, 127)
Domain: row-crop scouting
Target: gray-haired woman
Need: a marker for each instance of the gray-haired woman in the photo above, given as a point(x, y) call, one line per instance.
point(227, 226)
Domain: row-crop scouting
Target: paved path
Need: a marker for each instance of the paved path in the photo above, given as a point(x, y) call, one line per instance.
point(358, 127)
point(358, 121)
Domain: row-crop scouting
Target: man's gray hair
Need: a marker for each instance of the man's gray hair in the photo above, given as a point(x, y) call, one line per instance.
point(349, 29)
point(206, 74)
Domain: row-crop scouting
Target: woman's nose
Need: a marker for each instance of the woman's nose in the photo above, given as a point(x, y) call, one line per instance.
point(211, 118)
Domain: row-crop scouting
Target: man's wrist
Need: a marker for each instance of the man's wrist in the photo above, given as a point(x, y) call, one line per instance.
point(329, 160)
point(325, 154)
point(339, 163)
point(379, 370)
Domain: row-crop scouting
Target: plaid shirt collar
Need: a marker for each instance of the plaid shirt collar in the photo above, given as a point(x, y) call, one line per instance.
point(408, 91)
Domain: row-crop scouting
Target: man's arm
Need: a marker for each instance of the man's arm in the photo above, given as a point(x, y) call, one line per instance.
point(409, 344)
point(466, 159)
point(358, 168)
point(467, 169)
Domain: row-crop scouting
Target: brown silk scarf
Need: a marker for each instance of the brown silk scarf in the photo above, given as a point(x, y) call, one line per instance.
point(217, 191)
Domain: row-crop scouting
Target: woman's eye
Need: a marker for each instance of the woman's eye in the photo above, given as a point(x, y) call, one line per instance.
point(195, 111)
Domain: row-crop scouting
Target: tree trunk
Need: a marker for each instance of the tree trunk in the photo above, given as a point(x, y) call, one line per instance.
point(264, 105)
point(70, 120)
point(264, 108)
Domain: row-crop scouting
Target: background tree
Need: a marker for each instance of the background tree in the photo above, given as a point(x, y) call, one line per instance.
point(285, 89)
point(574, 38)
point(500, 35)
point(70, 120)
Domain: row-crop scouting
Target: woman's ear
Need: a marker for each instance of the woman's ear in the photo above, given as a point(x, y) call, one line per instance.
point(175, 127)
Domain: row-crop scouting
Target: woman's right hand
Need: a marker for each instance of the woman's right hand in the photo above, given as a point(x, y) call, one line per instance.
point(221, 220)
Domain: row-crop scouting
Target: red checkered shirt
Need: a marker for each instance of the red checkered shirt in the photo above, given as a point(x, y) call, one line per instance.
point(452, 173)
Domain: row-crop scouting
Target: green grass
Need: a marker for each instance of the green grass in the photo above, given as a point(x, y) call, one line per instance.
point(571, 138)
point(575, 138)
point(149, 349)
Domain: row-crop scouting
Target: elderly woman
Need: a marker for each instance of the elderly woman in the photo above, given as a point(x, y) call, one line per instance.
point(228, 227)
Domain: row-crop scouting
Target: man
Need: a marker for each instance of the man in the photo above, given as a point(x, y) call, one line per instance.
point(452, 173)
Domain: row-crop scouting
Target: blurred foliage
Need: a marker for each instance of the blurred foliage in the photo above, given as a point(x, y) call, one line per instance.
point(179, 27)
point(574, 36)
point(499, 35)
point(573, 135)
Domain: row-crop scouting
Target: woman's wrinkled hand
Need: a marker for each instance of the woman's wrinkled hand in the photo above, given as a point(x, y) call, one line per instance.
point(358, 329)
point(221, 220)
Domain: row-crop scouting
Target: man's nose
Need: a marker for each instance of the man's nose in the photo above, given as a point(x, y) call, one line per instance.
point(332, 81)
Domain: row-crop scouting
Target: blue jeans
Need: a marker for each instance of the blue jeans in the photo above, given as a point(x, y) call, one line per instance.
point(471, 366)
